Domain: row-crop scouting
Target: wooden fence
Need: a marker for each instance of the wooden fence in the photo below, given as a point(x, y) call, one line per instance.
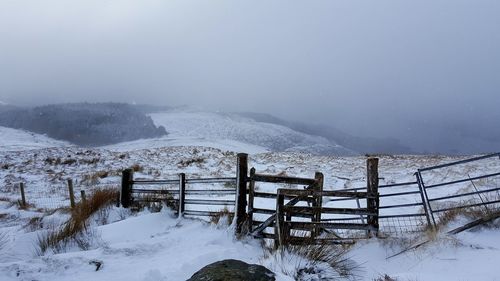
point(306, 213)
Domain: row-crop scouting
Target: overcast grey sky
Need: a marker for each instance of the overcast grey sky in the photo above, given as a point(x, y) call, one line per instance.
point(379, 68)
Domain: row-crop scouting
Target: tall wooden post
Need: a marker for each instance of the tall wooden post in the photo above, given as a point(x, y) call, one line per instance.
point(317, 203)
point(71, 194)
point(182, 194)
point(241, 192)
point(372, 192)
point(251, 195)
point(23, 197)
point(279, 231)
point(127, 182)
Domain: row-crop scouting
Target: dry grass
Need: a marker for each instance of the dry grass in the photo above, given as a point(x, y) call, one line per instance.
point(471, 213)
point(137, 168)
point(223, 216)
point(327, 260)
point(189, 162)
point(93, 178)
point(76, 229)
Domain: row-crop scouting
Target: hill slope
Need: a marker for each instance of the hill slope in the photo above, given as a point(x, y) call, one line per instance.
point(222, 127)
point(18, 140)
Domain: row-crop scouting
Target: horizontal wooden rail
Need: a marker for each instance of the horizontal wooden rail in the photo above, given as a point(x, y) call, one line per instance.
point(263, 211)
point(312, 225)
point(281, 179)
point(292, 210)
point(330, 193)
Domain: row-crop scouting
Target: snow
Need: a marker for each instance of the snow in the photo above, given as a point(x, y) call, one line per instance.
point(19, 140)
point(218, 127)
point(159, 246)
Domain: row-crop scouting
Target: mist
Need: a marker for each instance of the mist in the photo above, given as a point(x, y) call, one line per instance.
point(424, 72)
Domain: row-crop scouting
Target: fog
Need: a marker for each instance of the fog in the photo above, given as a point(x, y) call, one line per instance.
point(425, 72)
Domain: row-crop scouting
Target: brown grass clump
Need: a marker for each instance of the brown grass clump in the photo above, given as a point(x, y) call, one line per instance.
point(189, 162)
point(225, 214)
point(137, 168)
point(312, 261)
point(471, 213)
point(76, 228)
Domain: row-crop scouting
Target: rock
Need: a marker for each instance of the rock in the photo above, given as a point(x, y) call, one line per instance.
point(233, 270)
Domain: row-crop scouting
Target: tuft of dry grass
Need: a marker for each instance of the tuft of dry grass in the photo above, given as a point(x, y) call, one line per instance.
point(224, 214)
point(137, 168)
point(76, 229)
point(472, 213)
point(314, 260)
point(189, 162)
point(94, 178)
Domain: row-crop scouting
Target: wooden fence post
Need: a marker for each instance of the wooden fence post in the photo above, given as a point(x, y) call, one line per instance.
point(71, 194)
point(182, 194)
point(251, 192)
point(241, 192)
point(23, 197)
point(279, 232)
point(318, 202)
point(372, 201)
point(84, 197)
point(127, 182)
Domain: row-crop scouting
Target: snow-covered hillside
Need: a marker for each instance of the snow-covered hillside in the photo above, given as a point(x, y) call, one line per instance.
point(158, 246)
point(195, 126)
point(16, 140)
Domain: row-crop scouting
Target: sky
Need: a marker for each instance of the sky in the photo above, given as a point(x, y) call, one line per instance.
point(426, 72)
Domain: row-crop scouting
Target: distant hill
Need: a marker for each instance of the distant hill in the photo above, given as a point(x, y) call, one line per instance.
point(362, 145)
point(83, 123)
point(197, 126)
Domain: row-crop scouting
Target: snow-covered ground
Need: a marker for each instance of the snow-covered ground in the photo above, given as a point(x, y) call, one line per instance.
point(216, 127)
point(20, 140)
point(159, 246)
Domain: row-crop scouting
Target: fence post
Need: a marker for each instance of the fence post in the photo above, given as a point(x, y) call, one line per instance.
point(279, 239)
point(127, 182)
point(317, 203)
point(372, 201)
point(182, 194)
point(84, 197)
point(425, 202)
point(23, 197)
point(251, 192)
point(71, 194)
point(241, 192)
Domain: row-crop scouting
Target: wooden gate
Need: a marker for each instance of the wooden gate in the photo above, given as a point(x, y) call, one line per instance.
point(291, 229)
point(258, 227)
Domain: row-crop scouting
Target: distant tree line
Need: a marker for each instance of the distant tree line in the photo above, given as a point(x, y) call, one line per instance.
point(84, 123)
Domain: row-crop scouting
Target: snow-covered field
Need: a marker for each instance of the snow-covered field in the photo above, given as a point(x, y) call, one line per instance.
point(159, 246)
point(20, 140)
